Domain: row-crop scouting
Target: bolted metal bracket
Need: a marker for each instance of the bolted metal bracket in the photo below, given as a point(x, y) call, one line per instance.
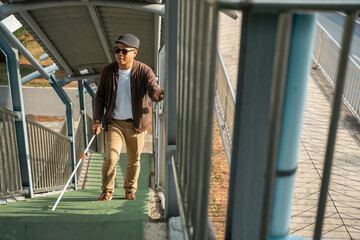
point(19, 116)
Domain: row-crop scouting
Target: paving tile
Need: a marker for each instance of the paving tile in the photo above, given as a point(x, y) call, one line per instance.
point(349, 211)
point(304, 204)
point(339, 232)
point(299, 224)
point(351, 221)
point(354, 232)
point(331, 223)
point(306, 231)
point(347, 199)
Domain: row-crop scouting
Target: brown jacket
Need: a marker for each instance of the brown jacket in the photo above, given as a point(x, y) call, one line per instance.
point(142, 85)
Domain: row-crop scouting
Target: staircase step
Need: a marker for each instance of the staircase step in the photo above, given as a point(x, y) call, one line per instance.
point(79, 215)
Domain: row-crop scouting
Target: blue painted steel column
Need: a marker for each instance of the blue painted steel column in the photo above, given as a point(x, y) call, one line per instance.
point(12, 62)
point(83, 110)
point(92, 94)
point(69, 120)
point(295, 93)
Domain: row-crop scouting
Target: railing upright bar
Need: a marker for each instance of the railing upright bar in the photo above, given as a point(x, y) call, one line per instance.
point(8, 174)
point(186, 97)
point(50, 164)
point(43, 156)
point(2, 163)
point(182, 108)
point(31, 150)
point(355, 96)
point(348, 82)
point(179, 200)
point(46, 159)
point(346, 41)
point(39, 159)
point(193, 130)
point(16, 169)
point(49, 157)
point(207, 80)
point(36, 161)
point(16, 157)
point(351, 96)
point(12, 157)
point(227, 153)
point(180, 100)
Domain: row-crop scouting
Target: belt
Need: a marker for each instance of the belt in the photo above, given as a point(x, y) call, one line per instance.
point(128, 120)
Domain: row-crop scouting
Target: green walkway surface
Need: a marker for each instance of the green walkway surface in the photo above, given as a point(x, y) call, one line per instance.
point(79, 215)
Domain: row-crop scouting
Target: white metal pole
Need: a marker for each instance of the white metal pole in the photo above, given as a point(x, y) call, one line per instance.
point(73, 173)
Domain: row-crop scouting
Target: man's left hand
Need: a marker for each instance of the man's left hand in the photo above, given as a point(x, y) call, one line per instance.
point(159, 94)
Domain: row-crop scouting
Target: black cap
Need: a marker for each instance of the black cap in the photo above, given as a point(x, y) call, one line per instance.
point(129, 40)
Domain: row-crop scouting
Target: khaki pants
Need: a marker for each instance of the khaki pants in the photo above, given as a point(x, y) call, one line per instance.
point(118, 132)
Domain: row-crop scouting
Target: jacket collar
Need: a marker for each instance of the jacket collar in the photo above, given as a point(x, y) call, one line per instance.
point(115, 66)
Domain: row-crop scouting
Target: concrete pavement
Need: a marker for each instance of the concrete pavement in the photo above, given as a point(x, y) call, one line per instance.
point(342, 217)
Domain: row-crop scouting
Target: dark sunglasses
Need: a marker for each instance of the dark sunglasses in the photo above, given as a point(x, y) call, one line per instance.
point(124, 51)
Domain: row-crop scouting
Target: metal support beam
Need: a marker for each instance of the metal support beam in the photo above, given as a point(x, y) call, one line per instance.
point(92, 94)
point(15, 43)
point(29, 19)
point(83, 110)
point(100, 32)
point(69, 120)
point(90, 91)
point(252, 117)
point(11, 8)
point(44, 57)
point(70, 79)
point(171, 208)
point(157, 34)
point(12, 60)
point(281, 5)
point(37, 74)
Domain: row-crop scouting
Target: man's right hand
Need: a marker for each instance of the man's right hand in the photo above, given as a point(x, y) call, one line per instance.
point(96, 128)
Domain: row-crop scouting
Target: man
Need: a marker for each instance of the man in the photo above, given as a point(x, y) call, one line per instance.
point(123, 91)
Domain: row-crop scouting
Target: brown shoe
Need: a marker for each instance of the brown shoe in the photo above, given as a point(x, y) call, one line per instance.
point(106, 196)
point(130, 196)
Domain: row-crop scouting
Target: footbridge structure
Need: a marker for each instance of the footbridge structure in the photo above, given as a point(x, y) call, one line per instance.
point(281, 149)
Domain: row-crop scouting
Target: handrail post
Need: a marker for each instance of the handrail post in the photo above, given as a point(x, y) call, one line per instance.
point(69, 120)
point(171, 28)
point(12, 60)
point(83, 110)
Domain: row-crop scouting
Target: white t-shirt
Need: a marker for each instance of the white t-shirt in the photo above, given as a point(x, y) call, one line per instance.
point(123, 107)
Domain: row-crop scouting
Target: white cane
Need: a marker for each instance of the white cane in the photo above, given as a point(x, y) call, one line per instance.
point(73, 173)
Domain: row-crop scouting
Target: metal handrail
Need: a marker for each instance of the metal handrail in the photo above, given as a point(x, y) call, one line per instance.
point(42, 127)
point(10, 113)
